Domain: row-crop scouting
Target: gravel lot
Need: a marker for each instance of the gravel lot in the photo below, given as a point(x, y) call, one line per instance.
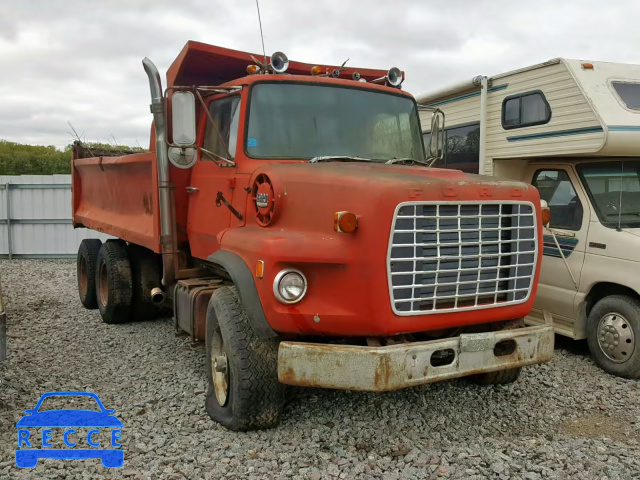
point(566, 419)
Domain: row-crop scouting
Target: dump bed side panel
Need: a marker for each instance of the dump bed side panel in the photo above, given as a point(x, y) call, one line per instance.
point(118, 196)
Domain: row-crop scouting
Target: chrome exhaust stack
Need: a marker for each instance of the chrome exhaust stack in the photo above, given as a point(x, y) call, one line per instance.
point(167, 222)
point(158, 295)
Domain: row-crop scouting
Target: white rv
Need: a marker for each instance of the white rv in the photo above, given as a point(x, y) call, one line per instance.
point(571, 128)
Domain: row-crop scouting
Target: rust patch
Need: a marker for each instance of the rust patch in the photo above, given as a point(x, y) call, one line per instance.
point(147, 203)
point(382, 373)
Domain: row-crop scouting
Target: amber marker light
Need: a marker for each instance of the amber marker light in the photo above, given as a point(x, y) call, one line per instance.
point(253, 69)
point(345, 222)
point(545, 213)
point(317, 70)
point(260, 269)
point(587, 66)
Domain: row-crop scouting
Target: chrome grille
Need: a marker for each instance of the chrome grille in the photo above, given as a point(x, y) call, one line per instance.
point(458, 256)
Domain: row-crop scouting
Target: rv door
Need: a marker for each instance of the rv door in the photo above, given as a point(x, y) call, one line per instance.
point(564, 239)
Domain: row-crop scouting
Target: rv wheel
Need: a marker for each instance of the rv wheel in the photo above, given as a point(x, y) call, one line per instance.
point(113, 282)
point(613, 334)
point(86, 272)
point(244, 392)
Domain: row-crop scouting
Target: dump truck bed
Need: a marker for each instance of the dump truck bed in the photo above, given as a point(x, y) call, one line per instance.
point(118, 196)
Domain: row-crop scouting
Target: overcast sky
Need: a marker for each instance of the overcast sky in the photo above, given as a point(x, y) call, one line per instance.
point(78, 61)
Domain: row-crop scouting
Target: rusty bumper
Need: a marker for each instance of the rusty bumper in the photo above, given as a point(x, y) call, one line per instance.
point(379, 369)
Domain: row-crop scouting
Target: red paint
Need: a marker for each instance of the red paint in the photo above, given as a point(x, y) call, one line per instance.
point(348, 287)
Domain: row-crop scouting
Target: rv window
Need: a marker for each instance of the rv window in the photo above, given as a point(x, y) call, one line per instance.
point(629, 93)
point(525, 110)
point(463, 147)
point(225, 113)
point(556, 188)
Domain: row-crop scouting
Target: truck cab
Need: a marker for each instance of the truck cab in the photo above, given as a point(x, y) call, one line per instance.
point(287, 215)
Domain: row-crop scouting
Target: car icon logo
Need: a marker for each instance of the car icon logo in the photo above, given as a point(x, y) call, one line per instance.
point(75, 422)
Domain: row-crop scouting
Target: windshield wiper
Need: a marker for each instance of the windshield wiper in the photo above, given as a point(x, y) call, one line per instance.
point(338, 158)
point(405, 160)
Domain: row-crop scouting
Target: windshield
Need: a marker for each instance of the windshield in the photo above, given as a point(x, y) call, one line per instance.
point(307, 121)
point(614, 188)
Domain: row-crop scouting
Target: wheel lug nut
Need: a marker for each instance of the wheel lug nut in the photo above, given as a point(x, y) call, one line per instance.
point(616, 336)
point(615, 344)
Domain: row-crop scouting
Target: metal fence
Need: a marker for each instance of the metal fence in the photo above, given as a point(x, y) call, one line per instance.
point(35, 218)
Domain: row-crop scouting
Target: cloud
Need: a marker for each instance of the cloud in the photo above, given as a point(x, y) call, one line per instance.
point(79, 61)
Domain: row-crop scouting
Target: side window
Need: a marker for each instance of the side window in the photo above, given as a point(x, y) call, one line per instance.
point(556, 189)
point(525, 110)
point(225, 114)
point(629, 93)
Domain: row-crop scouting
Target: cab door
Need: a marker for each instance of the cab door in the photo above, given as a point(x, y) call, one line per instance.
point(212, 182)
point(560, 277)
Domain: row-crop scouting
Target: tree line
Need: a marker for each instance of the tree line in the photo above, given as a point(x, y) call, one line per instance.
point(22, 159)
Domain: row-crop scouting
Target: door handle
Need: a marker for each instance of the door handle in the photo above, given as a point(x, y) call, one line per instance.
point(192, 189)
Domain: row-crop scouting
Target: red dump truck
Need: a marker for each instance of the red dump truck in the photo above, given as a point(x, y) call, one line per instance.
point(287, 215)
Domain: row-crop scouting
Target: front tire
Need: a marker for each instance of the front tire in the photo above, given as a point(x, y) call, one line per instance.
point(613, 335)
point(113, 282)
point(86, 272)
point(243, 392)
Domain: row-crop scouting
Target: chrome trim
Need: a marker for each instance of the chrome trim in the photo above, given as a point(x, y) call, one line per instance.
point(276, 283)
point(432, 226)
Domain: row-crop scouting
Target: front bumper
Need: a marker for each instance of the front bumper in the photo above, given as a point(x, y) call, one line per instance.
point(379, 369)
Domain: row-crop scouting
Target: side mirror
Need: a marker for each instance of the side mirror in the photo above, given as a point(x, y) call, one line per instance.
point(436, 141)
point(183, 118)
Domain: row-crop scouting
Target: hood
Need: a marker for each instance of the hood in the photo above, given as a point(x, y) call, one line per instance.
point(453, 183)
point(306, 195)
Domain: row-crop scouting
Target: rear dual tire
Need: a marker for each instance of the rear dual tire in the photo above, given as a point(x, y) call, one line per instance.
point(117, 279)
point(114, 286)
point(86, 272)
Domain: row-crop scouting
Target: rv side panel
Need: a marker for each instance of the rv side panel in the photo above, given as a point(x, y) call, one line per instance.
point(572, 129)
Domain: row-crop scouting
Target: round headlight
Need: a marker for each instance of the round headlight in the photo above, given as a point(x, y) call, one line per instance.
point(290, 286)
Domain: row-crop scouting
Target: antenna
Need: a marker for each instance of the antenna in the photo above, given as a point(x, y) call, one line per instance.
point(264, 53)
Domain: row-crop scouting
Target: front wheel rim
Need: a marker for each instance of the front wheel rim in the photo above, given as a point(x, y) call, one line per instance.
point(616, 338)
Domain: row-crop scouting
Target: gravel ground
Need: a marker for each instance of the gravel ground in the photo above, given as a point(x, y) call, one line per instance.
point(565, 420)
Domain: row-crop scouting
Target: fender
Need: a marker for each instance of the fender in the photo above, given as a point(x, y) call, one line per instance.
point(242, 278)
